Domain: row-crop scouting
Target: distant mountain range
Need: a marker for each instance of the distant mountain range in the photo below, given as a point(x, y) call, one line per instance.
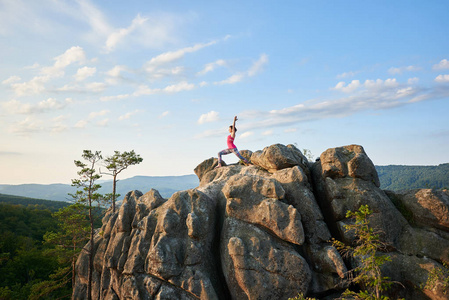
point(166, 185)
point(391, 177)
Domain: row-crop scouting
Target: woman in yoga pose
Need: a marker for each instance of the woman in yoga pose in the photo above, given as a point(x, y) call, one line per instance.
point(231, 147)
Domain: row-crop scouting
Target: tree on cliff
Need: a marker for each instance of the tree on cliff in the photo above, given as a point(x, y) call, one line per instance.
point(87, 194)
point(66, 245)
point(116, 164)
point(368, 273)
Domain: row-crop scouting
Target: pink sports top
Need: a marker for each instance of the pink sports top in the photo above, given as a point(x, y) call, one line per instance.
point(231, 142)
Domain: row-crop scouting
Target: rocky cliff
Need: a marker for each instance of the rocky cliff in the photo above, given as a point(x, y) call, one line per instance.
point(263, 231)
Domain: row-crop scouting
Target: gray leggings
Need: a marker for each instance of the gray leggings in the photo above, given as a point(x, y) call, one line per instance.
point(228, 151)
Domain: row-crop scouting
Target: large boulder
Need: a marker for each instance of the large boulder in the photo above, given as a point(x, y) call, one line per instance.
point(425, 207)
point(278, 157)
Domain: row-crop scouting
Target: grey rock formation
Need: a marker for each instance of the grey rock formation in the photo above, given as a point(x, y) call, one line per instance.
point(263, 232)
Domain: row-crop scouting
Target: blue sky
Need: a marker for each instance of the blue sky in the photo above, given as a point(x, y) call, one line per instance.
point(165, 78)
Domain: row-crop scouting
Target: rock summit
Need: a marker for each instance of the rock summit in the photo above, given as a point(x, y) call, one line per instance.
point(263, 232)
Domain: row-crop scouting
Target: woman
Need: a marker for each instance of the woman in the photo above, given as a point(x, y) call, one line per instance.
point(231, 147)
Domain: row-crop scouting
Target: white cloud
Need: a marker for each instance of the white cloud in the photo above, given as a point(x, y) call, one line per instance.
point(442, 78)
point(211, 66)
point(443, 64)
point(115, 71)
point(84, 73)
point(401, 70)
point(341, 86)
point(211, 116)
point(75, 54)
point(118, 35)
point(379, 83)
point(289, 130)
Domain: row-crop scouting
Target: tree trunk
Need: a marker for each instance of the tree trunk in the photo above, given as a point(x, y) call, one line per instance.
point(73, 266)
point(114, 184)
point(91, 255)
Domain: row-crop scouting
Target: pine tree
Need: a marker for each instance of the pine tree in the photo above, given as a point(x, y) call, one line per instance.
point(116, 164)
point(87, 194)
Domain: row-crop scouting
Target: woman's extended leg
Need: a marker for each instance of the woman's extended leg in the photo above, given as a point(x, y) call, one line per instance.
point(237, 153)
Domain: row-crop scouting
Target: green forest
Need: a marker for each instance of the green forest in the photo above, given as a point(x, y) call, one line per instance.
point(34, 261)
point(398, 178)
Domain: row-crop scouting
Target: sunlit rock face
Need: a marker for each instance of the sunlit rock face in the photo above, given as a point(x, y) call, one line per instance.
point(263, 232)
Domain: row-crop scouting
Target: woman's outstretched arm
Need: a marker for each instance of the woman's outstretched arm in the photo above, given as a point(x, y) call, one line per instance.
point(233, 127)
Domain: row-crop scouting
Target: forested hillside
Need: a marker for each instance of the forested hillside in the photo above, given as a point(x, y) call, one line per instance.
point(411, 177)
point(52, 205)
point(34, 263)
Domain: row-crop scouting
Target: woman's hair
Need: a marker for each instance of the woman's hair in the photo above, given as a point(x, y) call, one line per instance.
point(230, 126)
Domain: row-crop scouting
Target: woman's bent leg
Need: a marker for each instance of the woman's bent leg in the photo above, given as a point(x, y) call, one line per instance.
point(223, 152)
point(237, 153)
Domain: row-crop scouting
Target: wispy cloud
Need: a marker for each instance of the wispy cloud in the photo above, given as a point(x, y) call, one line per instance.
point(51, 104)
point(368, 84)
point(37, 84)
point(129, 115)
point(370, 95)
point(164, 114)
point(246, 134)
point(346, 74)
point(257, 66)
point(118, 35)
point(11, 80)
point(253, 70)
point(212, 66)
point(27, 127)
point(93, 115)
point(174, 88)
point(400, 70)
point(171, 56)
